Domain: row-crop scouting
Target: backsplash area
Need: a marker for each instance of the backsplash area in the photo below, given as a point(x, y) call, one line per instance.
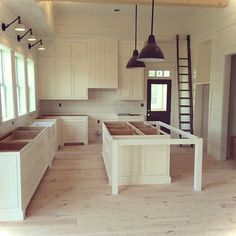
point(100, 101)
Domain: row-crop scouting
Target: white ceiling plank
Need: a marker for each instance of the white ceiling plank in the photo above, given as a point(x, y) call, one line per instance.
point(200, 3)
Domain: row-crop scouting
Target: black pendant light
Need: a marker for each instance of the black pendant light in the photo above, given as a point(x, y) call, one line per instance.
point(133, 63)
point(151, 51)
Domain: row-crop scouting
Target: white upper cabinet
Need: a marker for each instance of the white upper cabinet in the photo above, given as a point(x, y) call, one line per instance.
point(47, 78)
point(131, 81)
point(63, 71)
point(79, 78)
point(79, 70)
point(63, 75)
point(103, 63)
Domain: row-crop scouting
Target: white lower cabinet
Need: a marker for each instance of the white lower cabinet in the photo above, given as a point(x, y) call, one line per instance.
point(74, 129)
point(21, 170)
point(52, 137)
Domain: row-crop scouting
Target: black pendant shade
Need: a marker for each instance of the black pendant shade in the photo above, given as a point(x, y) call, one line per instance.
point(133, 63)
point(151, 52)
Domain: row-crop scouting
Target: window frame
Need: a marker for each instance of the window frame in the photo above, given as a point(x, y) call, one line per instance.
point(29, 60)
point(20, 86)
point(7, 85)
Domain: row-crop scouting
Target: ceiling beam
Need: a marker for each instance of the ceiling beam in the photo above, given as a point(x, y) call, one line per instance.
point(200, 3)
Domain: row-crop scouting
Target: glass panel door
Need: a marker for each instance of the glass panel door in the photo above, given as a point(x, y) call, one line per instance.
point(159, 100)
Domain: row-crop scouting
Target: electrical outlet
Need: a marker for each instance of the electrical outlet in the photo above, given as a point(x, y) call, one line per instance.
point(60, 104)
point(142, 104)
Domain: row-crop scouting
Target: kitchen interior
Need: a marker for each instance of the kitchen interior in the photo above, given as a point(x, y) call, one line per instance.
point(75, 92)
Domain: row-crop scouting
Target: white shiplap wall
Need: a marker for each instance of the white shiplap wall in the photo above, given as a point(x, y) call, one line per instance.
point(8, 38)
point(219, 26)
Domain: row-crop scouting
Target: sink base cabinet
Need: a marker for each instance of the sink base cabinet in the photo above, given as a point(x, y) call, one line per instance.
point(20, 174)
point(74, 129)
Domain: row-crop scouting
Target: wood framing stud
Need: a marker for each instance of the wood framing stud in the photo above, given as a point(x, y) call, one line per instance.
point(199, 3)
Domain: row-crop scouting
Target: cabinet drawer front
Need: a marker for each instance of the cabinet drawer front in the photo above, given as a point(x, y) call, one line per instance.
point(74, 118)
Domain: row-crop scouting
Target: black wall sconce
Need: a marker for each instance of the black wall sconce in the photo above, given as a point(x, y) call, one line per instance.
point(41, 46)
point(19, 27)
point(31, 37)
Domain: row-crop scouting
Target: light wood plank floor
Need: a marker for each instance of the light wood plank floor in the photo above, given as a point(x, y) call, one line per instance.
point(75, 199)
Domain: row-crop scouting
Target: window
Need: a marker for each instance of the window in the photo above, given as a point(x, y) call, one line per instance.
point(152, 73)
point(166, 73)
point(7, 105)
point(159, 73)
point(31, 85)
point(158, 97)
point(20, 84)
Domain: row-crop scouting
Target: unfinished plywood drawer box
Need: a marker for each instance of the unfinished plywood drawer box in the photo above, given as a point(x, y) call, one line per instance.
point(23, 162)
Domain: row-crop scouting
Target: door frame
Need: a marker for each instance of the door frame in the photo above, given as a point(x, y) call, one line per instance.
point(169, 95)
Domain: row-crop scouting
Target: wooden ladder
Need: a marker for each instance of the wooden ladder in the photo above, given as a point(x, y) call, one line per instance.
point(184, 72)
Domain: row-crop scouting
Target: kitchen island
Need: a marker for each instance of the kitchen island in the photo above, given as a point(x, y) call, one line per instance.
point(137, 164)
point(139, 153)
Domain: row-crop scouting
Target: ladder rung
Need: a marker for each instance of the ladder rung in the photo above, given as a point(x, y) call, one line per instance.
point(182, 90)
point(187, 130)
point(184, 106)
point(185, 114)
point(185, 122)
point(183, 66)
point(183, 74)
point(184, 97)
point(183, 58)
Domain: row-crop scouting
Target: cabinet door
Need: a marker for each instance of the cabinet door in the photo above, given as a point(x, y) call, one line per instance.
point(81, 131)
point(79, 78)
point(103, 63)
point(64, 81)
point(125, 79)
point(137, 84)
point(156, 160)
point(46, 77)
point(68, 131)
point(129, 161)
point(74, 129)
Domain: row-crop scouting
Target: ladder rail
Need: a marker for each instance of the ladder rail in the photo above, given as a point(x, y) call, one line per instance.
point(182, 97)
point(190, 81)
point(178, 77)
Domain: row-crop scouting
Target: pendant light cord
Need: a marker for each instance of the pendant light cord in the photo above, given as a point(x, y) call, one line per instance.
point(152, 17)
point(136, 9)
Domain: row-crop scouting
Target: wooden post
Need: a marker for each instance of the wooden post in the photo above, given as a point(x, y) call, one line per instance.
point(198, 165)
point(115, 156)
